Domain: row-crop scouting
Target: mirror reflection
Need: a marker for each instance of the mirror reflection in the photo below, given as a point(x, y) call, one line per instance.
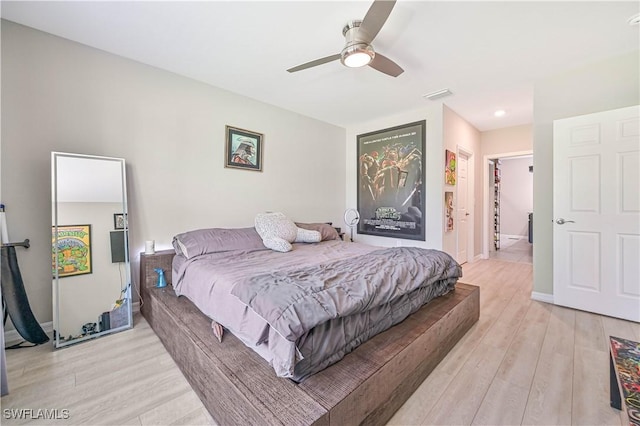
point(90, 259)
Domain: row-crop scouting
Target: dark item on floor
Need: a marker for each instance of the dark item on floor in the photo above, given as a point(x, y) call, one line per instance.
point(624, 367)
point(16, 300)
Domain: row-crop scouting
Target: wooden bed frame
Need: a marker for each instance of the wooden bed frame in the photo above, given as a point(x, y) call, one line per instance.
point(366, 387)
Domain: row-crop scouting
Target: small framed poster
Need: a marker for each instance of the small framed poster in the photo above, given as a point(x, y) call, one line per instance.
point(450, 168)
point(71, 253)
point(448, 211)
point(119, 221)
point(243, 149)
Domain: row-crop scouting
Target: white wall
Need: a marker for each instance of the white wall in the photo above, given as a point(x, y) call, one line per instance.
point(62, 96)
point(433, 168)
point(516, 196)
point(602, 86)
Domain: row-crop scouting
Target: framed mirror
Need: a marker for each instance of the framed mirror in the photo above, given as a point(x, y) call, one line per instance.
point(90, 252)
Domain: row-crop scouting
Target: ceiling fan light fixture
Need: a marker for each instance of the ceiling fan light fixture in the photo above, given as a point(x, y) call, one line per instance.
point(357, 55)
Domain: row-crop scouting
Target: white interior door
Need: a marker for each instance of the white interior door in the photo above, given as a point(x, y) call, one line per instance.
point(596, 203)
point(462, 212)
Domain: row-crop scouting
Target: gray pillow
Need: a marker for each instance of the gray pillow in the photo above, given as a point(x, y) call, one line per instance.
point(212, 240)
point(327, 232)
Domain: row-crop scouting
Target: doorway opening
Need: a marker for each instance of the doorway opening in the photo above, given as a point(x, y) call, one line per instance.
point(508, 207)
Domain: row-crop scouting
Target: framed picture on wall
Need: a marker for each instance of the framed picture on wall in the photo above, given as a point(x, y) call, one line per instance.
point(71, 253)
point(448, 211)
point(243, 149)
point(119, 221)
point(450, 167)
point(391, 199)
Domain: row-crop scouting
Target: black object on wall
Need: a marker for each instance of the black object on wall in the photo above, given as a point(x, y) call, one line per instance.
point(117, 246)
point(105, 321)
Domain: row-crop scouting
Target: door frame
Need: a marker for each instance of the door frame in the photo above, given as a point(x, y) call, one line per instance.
point(486, 193)
point(470, 203)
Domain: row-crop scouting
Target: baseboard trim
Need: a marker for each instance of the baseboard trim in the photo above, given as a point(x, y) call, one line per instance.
point(515, 237)
point(478, 257)
point(11, 337)
point(542, 297)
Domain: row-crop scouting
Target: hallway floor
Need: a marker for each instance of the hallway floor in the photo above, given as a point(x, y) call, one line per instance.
point(513, 250)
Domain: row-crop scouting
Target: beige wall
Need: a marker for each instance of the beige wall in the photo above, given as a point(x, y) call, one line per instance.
point(62, 96)
point(460, 135)
point(507, 140)
point(602, 86)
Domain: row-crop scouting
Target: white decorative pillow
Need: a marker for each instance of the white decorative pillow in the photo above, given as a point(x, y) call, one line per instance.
point(308, 236)
point(277, 244)
point(278, 232)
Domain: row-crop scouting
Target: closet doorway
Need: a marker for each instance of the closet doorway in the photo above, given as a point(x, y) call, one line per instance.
point(508, 202)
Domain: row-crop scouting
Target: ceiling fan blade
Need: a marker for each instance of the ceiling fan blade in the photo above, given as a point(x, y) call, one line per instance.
point(385, 65)
point(375, 19)
point(315, 63)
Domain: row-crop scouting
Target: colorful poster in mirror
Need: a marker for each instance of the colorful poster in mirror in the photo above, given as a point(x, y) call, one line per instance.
point(71, 250)
point(448, 211)
point(391, 200)
point(450, 168)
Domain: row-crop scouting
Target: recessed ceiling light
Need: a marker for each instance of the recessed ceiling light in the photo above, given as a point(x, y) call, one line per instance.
point(500, 113)
point(634, 20)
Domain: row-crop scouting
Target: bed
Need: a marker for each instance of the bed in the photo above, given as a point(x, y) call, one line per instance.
point(386, 343)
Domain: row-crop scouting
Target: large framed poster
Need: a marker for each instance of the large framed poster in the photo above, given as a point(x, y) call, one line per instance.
point(391, 199)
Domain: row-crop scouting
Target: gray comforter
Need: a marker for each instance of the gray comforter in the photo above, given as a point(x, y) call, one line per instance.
point(330, 308)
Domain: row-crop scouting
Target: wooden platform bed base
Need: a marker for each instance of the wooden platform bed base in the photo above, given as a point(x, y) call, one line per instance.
point(368, 386)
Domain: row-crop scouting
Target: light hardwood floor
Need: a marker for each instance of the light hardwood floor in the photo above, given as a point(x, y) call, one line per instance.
point(524, 362)
point(513, 250)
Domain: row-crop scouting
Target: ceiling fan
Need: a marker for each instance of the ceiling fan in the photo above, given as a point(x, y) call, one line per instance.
point(358, 51)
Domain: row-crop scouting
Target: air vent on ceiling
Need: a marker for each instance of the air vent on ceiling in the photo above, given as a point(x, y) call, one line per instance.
point(437, 95)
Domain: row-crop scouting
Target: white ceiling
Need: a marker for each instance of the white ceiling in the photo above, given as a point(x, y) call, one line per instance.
point(489, 54)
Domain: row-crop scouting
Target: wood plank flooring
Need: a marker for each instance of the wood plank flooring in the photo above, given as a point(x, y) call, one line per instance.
point(513, 250)
point(524, 362)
